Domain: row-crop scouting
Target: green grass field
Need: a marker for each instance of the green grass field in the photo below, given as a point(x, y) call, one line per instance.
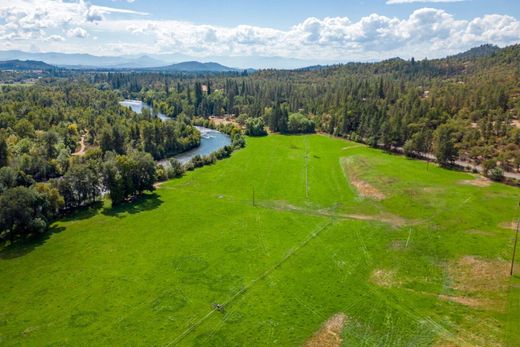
point(412, 254)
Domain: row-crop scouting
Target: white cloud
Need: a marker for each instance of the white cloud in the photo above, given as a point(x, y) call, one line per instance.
point(30, 24)
point(56, 38)
point(393, 2)
point(77, 32)
point(31, 18)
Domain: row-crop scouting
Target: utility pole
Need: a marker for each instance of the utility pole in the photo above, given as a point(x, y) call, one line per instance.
point(514, 247)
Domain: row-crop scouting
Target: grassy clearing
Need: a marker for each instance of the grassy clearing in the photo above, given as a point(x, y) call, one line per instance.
point(311, 248)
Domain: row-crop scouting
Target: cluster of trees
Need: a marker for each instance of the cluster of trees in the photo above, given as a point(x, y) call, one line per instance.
point(298, 123)
point(41, 128)
point(42, 174)
point(27, 206)
point(127, 176)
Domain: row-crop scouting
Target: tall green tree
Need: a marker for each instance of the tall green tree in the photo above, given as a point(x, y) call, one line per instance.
point(444, 145)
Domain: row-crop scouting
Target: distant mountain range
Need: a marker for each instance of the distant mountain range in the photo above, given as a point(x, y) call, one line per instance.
point(88, 61)
point(195, 66)
point(85, 60)
point(25, 65)
point(19, 60)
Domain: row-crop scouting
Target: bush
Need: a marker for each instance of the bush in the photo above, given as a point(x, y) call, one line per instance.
point(162, 173)
point(496, 174)
point(255, 127)
point(298, 123)
point(175, 170)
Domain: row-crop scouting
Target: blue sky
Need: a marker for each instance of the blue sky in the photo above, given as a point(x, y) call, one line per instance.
point(259, 33)
point(283, 14)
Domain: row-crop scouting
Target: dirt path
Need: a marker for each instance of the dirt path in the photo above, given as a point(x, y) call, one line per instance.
point(81, 150)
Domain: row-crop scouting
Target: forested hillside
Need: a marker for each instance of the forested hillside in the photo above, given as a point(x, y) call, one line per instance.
point(465, 106)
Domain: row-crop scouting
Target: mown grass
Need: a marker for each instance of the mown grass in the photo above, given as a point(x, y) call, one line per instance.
point(148, 273)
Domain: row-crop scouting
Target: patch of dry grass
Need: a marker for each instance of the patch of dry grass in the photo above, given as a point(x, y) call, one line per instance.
point(477, 182)
point(384, 278)
point(330, 333)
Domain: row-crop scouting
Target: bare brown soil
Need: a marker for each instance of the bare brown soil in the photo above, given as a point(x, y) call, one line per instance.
point(330, 333)
point(81, 150)
point(471, 274)
point(477, 182)
point(467, 301)
point(364, 188)
point(476, 280)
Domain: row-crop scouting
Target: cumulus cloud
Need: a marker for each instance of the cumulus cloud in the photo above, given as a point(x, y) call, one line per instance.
point(78, 33)
point(425, 32)
point(31, 19)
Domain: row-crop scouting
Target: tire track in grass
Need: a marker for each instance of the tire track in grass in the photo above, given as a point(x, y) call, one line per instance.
point(292, 251)
point(414, 315)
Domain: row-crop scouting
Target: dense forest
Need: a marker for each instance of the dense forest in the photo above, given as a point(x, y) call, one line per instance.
point(461, 107)
point(65, 140)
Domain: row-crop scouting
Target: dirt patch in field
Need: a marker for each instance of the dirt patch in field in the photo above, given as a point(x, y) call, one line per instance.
point(473, 331)
point(364, 188)
point(508, 225)
point(473, 275)
point(330, 333)
point(467, 301)
point(477, 182)
point(384, 278)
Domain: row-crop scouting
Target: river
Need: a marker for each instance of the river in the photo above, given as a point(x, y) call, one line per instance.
point(210, 140)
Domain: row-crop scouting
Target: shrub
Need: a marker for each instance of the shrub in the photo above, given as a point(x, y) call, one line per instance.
point(496, 174)
point(298, 123)
point(176, 169)
point(255, 127)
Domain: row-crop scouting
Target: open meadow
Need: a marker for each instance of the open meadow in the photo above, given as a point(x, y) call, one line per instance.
point(291, 235)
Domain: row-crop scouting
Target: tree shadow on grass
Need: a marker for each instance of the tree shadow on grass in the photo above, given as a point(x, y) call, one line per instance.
point(22, 247)
point(83, 213)
point(140, 204)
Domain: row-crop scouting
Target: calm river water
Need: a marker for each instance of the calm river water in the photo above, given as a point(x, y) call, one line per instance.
point(211, 140)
